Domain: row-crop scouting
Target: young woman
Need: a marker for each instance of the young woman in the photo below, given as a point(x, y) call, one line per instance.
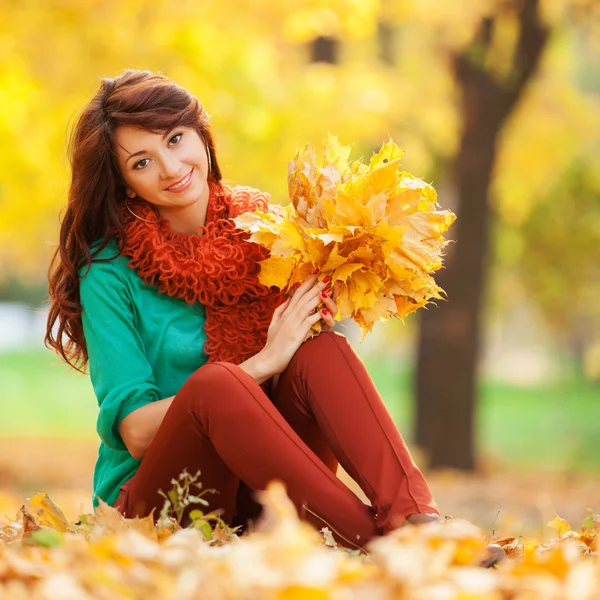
point(195, 364)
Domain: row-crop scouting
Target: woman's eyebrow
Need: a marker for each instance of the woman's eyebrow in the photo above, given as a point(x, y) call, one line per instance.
point(137, 154)
point(164, 136)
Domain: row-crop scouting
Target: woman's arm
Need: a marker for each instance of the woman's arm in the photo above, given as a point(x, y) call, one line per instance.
point(120, 373)
point(139, 427)
point(288, 329)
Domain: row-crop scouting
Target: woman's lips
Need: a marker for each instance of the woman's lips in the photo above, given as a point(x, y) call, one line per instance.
point(182, 184)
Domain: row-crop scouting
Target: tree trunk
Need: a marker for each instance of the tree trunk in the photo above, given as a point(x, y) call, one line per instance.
point(449, 336)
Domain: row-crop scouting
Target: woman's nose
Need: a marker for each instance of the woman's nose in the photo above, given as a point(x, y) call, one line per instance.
point(169, 166)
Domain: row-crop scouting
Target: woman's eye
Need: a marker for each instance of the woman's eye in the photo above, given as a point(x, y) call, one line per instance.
point(140, 164)
point(175, 139)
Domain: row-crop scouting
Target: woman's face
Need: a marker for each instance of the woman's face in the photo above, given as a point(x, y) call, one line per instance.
point(169, 170)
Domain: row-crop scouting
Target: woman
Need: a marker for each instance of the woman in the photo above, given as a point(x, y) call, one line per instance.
point(195, 364)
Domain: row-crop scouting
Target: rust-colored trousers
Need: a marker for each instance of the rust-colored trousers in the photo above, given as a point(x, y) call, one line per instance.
point(324, 410)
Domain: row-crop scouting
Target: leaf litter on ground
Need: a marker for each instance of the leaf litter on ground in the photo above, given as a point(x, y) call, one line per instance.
point(104, 555)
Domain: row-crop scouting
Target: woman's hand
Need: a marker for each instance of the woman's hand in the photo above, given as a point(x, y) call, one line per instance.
point(293, 319)
point(331, 309)
point(290, 325)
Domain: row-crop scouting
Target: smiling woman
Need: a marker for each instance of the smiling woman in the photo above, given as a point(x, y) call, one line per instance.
point(194, 363)
point(170, 172)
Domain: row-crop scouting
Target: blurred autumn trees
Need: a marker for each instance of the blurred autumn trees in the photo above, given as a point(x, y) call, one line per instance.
point(495, 102)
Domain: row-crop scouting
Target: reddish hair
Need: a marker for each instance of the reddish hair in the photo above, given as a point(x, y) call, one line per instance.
point(137, 98)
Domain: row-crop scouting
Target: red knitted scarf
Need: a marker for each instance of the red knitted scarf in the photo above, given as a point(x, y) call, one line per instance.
point(219, 269)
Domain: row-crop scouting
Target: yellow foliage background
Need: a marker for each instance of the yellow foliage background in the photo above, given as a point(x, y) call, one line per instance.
point(250, 65)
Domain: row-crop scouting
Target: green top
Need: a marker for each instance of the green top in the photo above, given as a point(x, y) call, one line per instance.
point(142, 346)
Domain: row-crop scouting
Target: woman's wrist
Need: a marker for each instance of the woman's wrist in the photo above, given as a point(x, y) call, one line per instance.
point(259, 367)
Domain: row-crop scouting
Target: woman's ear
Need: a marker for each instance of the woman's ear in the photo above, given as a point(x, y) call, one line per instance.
point(130, 193)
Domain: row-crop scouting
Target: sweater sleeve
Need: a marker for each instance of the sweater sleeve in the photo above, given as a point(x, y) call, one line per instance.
point(120, 373)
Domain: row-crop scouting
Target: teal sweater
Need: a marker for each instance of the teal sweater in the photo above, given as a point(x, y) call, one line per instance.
point(142, 346)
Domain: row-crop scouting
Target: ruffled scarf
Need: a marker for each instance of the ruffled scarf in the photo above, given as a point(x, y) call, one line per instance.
point(218, 268)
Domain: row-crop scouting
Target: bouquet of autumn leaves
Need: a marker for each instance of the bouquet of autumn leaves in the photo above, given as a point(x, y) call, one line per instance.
point(374, 229)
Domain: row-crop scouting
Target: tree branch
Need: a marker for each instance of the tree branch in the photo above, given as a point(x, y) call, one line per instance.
point(532, 39)
point(487, 102)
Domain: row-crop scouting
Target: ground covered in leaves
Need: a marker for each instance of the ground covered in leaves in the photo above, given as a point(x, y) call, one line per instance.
point(43, 555)
point(50, 555)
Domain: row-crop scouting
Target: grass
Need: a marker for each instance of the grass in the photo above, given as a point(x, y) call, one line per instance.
point(40, 396)
point(534, 427)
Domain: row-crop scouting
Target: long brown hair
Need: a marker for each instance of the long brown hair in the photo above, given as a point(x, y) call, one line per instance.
point(136, 98)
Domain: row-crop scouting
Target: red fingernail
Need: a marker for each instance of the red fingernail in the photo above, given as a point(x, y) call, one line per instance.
point(316, 272)
point(327, 279)
point(325, 311)
point(326, 292)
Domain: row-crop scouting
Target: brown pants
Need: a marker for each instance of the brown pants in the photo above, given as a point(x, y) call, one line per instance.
point(325, 409)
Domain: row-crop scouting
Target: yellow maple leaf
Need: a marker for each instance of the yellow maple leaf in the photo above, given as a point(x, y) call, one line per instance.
point(391, 238)
point(401, 205)
point(334, 260)
point(344, 271)
point(347, 209)
point(363, 254)
point(276, 271)
point(365, 326)
point(387, 153)
point(383, 307)
point(48, 513)
point(290, 240)
point(379, 180)
point(344, 304)
point(336, 154)
point(300, 273)
point(367, 281)
point(559, 525)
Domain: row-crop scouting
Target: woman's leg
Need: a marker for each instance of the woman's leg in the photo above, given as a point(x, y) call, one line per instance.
point(293, 406)
point(327, 382)
point(296, 412)
point(222, 423)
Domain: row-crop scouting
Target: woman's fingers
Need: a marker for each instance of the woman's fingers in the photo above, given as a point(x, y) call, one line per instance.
point(329, 312)
point(281, 308)
point(328, 318)
point(278, 312)
point(311, 298)
point(329, 303)
point(311, 320)
point(337, 288)
point(302, 289)
point(307, 307)
point(308, 296)
point(330, 307)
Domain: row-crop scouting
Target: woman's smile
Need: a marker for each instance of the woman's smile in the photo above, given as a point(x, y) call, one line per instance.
point(181, 184)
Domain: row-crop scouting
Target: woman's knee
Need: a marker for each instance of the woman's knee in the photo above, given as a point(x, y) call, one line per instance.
point(321, 345)
point(214, 381)
point(210, 377)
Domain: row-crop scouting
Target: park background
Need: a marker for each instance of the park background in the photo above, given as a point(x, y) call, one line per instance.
point(497, 103)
